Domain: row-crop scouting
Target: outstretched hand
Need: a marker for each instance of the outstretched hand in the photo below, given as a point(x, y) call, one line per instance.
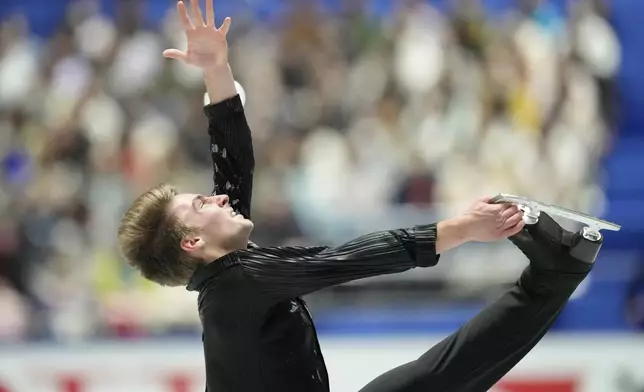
point(207, 45)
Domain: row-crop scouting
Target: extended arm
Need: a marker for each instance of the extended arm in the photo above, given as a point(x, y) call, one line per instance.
point(288, 272)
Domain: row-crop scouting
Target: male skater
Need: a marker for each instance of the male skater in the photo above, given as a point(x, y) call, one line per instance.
point(257, 332)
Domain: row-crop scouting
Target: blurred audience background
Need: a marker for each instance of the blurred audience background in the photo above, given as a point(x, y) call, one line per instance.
point(360, 122)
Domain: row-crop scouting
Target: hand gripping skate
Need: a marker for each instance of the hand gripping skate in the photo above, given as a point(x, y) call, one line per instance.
point(589, 239)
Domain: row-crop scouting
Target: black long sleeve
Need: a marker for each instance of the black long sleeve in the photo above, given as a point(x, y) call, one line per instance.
point(288, 272)
point(231, 147)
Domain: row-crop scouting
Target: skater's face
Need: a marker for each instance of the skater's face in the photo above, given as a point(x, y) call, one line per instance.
point(213, 223)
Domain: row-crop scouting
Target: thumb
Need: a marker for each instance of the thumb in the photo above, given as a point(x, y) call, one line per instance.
point(484, 199)
point(226, 25)
point(174, 54)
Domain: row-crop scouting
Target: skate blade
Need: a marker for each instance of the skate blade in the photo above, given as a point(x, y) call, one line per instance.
point(552, 210)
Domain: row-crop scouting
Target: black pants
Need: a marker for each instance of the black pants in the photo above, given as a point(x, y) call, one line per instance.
point(482, 351)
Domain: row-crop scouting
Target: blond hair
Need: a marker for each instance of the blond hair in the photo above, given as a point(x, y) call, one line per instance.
point(150, 239)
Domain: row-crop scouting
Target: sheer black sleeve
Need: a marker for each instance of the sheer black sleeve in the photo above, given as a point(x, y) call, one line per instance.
point(231, 146)
point(288, 272)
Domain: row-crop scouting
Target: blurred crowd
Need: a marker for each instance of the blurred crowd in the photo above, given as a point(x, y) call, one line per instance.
point(355, 119)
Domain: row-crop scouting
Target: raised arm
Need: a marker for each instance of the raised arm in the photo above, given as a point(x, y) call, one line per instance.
point(231, 147)
point(288, 272)
point(230, 140)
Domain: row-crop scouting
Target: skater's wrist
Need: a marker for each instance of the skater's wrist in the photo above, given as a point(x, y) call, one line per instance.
point(451, 233)
point(220, 83)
